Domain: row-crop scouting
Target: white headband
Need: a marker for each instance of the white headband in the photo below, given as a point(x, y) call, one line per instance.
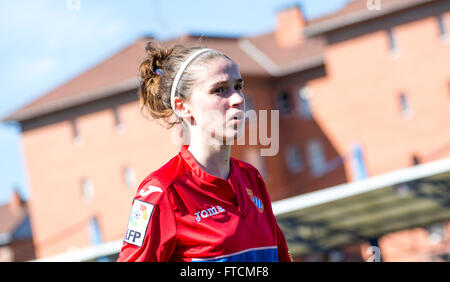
point(180, 72)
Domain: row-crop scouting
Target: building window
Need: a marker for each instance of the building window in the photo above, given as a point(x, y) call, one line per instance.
point(253, 157)
point(294, 161)
point(316, 157)
point(335, 256)
point(283, 102)
point(393, 46)
point(436, 234)
point(442, 28)
point(415, 160)
point(249, 103)
point(77, 139)
point(405, 106)
point(96, 236)
point(129, 177)
point(117, 122)
point(303, 98)
point(358, 162)
point(87, 190)
point(95, 232)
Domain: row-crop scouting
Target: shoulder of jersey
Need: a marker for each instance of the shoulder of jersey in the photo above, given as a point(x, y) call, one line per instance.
point(250, 169)
point(251, 172)
point(156, 183)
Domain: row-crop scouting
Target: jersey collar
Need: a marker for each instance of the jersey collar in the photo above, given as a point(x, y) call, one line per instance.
point(199, 172)
point(218, 187)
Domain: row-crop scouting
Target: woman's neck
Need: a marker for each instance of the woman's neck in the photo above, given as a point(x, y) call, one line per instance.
point(214, 159)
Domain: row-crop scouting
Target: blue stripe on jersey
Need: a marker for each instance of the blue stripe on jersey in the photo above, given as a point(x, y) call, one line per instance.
point(265, 254)
point(258, 203)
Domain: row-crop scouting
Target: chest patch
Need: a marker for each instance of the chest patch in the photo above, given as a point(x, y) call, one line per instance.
point(256, 200)
point(138, 222)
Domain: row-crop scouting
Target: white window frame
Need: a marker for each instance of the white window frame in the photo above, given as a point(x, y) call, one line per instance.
point(316, 157)
point(77, 138)
point(254, 157)
point(120, 128)
point(129, 176)
point(443, 32)
point(303, 103)
point(293, 158)
point(278, 101)
point(405, 106)
point(87, 190)
point(249, 102)
point(436, 233)
point(393, 43)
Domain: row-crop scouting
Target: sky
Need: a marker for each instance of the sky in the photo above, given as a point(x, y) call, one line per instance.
point(45, 43)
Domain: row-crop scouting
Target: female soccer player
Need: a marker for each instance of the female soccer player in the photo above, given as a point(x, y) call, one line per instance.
point(202, 205)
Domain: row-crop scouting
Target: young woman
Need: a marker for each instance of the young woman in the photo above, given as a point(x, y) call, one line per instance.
point(202, 205)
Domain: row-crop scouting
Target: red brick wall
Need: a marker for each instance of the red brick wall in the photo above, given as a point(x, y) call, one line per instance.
point(358, 100)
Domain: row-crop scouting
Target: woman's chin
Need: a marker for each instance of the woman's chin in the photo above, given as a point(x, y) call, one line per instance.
point(232, 138)
point(229, 138)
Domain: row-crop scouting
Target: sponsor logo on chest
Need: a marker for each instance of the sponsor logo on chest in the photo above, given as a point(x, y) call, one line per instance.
point(212, 211)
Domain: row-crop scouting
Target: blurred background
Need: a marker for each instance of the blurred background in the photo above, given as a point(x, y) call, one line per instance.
point(362, 88)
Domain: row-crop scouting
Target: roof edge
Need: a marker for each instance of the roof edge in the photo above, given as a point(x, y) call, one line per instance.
point(82, 98)
point(270, 66)
point(357, 17)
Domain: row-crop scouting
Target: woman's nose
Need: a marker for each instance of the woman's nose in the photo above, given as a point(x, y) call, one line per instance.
point(237, 100)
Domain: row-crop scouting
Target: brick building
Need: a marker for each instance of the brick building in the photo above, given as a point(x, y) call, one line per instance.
point(16, 238)
point(361, 82)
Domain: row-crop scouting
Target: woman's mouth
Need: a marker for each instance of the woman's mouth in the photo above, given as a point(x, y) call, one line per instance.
point(237, 120)
point(238, 116)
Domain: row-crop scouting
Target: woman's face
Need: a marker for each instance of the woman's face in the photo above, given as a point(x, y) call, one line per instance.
point(217, 104)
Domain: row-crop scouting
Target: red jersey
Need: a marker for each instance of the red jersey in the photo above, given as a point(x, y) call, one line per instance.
point(182, 213)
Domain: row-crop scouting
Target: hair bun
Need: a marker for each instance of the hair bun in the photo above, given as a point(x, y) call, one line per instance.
point(150, 72)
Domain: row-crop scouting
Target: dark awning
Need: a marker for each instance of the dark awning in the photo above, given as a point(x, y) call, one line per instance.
point(334, 217)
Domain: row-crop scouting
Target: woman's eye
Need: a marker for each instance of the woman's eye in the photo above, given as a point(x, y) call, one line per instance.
point(219, 90)
point(238, 87)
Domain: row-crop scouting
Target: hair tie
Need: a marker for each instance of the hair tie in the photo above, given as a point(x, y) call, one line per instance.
point(158, 72)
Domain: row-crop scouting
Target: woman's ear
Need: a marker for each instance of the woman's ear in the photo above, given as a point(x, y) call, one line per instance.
point(182, 108)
